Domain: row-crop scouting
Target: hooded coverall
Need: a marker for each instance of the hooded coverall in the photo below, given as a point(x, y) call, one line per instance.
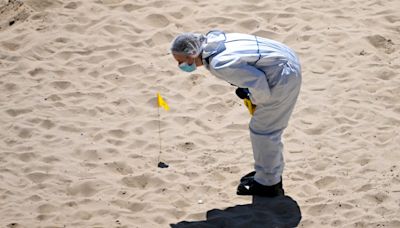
point(272, 73)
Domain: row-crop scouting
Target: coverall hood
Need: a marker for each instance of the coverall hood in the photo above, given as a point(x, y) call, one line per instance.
point(214, 44)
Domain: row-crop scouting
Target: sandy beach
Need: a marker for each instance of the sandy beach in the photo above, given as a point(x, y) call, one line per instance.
point(81, 134)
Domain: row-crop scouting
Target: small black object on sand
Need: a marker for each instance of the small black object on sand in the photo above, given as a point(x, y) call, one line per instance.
point(162, 165)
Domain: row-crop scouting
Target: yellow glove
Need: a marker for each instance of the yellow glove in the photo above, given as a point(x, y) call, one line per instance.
point(250, 106)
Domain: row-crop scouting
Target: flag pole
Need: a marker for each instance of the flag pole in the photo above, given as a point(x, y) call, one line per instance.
point(161, 103)
point(159, 132)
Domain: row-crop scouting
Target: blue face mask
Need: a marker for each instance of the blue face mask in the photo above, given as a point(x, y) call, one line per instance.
point(187, 68)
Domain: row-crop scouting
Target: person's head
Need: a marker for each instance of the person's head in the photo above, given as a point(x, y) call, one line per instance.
point(186, 49)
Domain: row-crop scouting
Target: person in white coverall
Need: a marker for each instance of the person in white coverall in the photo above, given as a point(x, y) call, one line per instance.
point(266, 72)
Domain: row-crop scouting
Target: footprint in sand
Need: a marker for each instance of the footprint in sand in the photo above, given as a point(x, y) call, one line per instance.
point(120, 167)
point(47, 124)
point(41, 5)
point(381, 42)
point(130, 7)
point(38, 177)
point(36, 71)
point(325, 182)
point(27, 157)
point(109, 2)
point(11, 87)
point(187, 146)
point(84, 215)
point(157, 20)
point(142, 181)
point(72, 5)
point(89, 154)
point(116, 142)
point(17, 112)
point(118, 133)
point(132, 206)
point(86, 188)
point(25, 133)
point(46, 208)
point(130, 70)
point(61, 85)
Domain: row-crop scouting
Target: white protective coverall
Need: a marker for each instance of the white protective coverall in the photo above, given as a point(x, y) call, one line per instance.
point(272, 73)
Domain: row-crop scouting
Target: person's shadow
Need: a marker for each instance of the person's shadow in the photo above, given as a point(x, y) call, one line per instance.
point(280, 211)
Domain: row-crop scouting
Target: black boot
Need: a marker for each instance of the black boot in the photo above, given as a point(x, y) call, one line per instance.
point(251, 187)
point(247, 177)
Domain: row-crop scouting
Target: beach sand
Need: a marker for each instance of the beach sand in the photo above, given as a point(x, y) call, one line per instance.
point(79, 124)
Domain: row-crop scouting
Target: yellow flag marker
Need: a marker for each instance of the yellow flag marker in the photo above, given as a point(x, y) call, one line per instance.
point(161, 102)
point(249, 105)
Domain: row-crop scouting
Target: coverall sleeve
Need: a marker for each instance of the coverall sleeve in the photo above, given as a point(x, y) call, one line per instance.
point(234, 70)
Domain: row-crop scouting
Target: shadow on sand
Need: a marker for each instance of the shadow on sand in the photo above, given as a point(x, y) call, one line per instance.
point(280, 211)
